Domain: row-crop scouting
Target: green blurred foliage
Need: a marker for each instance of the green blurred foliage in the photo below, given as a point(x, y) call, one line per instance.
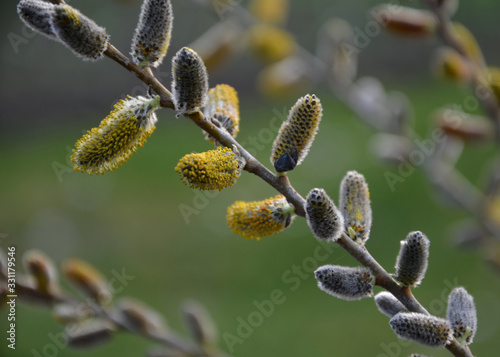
point(131, 219)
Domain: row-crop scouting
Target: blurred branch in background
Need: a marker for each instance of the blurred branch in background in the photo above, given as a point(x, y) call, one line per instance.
point(289, 69)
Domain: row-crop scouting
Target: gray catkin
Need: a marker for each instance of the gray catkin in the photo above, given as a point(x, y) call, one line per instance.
point(80, 34)
point(424, 329)
point(153, 33)
point(413, 258)
point(345, 283)
point(189, 81)
point(36, 15)
point(323, 217)
point(461, 313)
point(388, 304)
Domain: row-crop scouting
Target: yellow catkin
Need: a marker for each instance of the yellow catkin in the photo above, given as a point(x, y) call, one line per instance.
point(254, 220)
point(270, 43)
point(118, 136)
point(449, 64)
point(223, 107)
point(270, 11)
point(297, 133)
point(468, 42)
point(210, 170)
point(406, 21)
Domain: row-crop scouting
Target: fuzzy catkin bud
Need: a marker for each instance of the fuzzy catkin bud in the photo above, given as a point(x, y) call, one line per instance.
point(354, 203)
point(36, 15)
point(88, 279)
point(413, 258)
point(199, 323)
point(260, 218)
point(89, 333)
point(270, 43)
point(424, 329)
point(297, 133)
point(461, 313)
point(210, 170)
point(322, 216)
point(223, 108)
point(80, 34)
point(153, 32)
point(345, 283)
point(449, 64)
point(42, 269)
point(468, 42)
point(140, 317)
point(189, 81)
point(118, 136)
point(388, 304)
point(270, 11)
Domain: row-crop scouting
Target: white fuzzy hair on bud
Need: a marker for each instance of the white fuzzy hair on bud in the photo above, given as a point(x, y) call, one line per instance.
point(461, 313)
point(322, 216)
point(345, 283)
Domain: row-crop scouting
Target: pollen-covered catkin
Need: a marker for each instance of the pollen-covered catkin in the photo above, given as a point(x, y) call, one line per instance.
point(388, 304)
point(254, 220)
point(118, 136)
point(297, 133)
point(189, 81)
point(36, 15)
point(80, 34)
point(210, 170)
point(345, 283)
point(424, 329)
point(354, 204)
point(222, 107)
point(461, 313)
point(413, 258)
point(153, 32)
point(322, 216)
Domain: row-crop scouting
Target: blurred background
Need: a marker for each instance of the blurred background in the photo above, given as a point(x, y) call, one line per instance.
point(174, 242)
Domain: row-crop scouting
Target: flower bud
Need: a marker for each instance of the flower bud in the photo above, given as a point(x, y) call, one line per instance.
point(345, 283)
point(189, 81)
point(260, 218)
point(118, 136)
point(223, 108)
point(80, 34)
point(467, 127)
point(140, 317)
point(88, 280)
point(354, 203)
point(322, 216)
point(270, 43)
point(199, 323)
point(153, 32)
point(424, 329)
point(297, 133)
point(42, 269)
point(412, 260)
point(36, 15)
point(210, 170)
point(493, 80)
point(405, 21)
point(270, 11)
point(388, 304)
point(468, 42)
point(72, 312)
point(461, 314)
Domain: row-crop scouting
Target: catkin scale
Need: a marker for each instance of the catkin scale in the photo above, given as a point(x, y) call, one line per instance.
point(345, 283)
point(412, 260)
point(153, 32)
point(36, 15)
point(354, 203)
point(297, 133)
point(80, 34)
point(189, 81)
point(323, 217)
point(461, 313)
point(424, 329)
point(254, 220)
